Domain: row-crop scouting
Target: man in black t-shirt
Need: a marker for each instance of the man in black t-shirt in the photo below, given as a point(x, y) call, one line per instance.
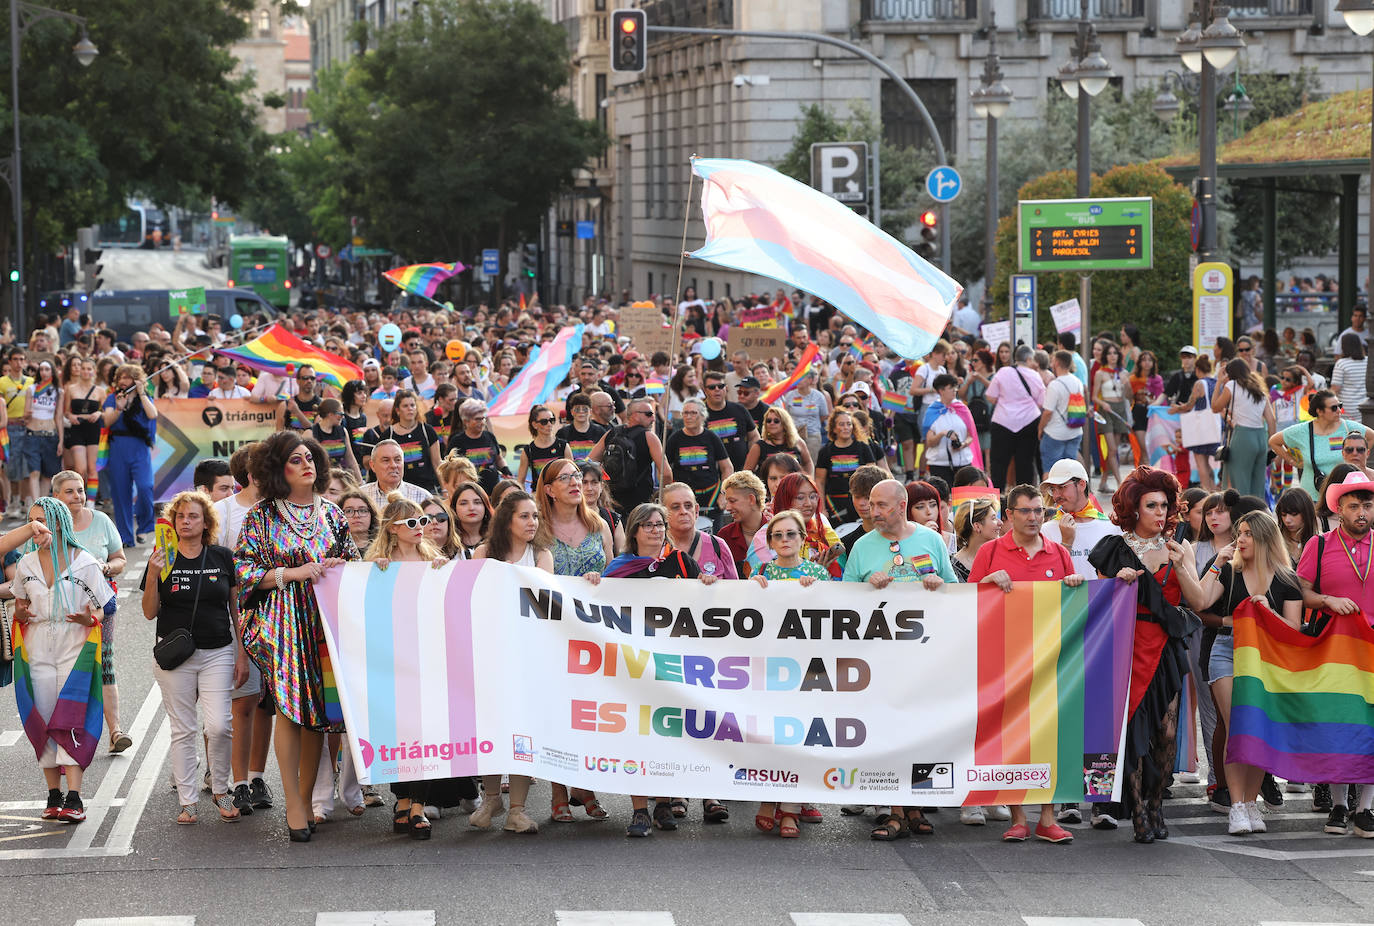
point(729, 421)
point(587, 382)
point(750, 390)
point(1177, 388)
point(637, 486)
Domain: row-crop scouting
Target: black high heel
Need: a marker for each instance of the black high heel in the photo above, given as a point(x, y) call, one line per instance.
point(420, 827)
point(298, 835)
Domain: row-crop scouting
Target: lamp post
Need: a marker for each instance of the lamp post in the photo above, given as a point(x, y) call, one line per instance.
point(1205, 51)
point(1082, 78)
point(1359, 16)
point(991, 101)
point(22, 16)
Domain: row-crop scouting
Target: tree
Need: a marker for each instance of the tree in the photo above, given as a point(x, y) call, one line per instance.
point(1158, 301)
point(450, 133)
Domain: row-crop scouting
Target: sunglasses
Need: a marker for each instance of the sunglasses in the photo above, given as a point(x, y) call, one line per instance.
point(895, 549)
point(545, 420)
point(714, 386)
point(438, 517)
point(412, 523)
point(785, 535)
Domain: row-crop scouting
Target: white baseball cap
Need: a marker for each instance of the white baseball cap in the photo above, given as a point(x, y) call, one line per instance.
point(1063, 471)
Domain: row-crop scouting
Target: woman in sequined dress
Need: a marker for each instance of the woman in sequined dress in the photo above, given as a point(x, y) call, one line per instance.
point(288, 541)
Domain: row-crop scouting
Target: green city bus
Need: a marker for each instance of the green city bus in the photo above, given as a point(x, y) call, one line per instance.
point(259, 263)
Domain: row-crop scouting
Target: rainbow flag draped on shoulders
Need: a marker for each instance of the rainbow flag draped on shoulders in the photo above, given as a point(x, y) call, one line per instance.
point(272, 350)
point(79, 716)
point(1303, 707)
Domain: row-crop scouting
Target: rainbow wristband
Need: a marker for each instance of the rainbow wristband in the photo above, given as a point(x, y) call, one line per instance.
point(1215, 569)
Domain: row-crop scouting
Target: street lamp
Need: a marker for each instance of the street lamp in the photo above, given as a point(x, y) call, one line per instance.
point(22, 16)
point(1238, 105)
point(1166, 105)
point(1359, 16)
point(991, 101)
point(1221, 41)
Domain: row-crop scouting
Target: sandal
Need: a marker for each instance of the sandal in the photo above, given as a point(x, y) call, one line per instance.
point(419, 825)
point(890, 829)
point(918, 824)
point(678, 806)
point(357, 811)
point(400, 819)
point(713, 811)
point(764, 824)
point(787, 826)
point(562, 813)
point(228, 813)
point(188, 816)
point(591, 804)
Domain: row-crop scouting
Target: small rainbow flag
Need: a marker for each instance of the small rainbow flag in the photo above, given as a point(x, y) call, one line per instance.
point(961, 494)
point(423, 279)
point(102, 451)
point(1301, 705)
point(780, 389)
point(923, 564)
point(894, 401)
point(655, 387)
point(78, 717)
point(1052, 660)
point(276, 348)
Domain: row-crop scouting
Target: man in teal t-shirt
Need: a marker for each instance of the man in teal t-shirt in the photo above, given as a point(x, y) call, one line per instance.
point(897, 550)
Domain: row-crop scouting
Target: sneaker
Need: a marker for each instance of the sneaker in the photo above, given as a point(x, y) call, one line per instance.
point(54, 808)
point(809, 814)
point(466, 805)
point(119, 741)
point(1188, 778)
point(371, 798)
point(73, 811)
point(972, 816)
point(1294, 787)
point(243, 801)
point(1363, 823)
point(1220, 801)
point(1239, 820)
point(1252, 809)
point(1052, 833)
point(260, 794)
point(1103, 820)
point(1269, 791)
point(640, 825)
point(492, 806)
point(1018, 833)
point(999, 812)
point(1335, 821)
point(663, 817)
point(517, 821)
point(1321, 799)
point(1069, 813)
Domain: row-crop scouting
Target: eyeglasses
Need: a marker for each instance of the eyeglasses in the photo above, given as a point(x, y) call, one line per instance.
point(438, 517)
point(1030, 512)
point(654, 526)
point(545, 420)
point(570, 478)
point(895, 548)
point(714, 386)
point(354, 512)
point(785, 535)
point(412, 523)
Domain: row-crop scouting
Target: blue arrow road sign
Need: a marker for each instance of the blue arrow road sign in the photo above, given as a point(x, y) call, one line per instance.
point(943, 184)
point(491, 262)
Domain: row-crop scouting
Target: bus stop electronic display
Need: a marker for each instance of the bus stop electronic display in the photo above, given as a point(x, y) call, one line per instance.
point(1086, 234)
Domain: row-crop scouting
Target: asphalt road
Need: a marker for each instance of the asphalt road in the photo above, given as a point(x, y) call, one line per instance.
point(130, 860)
point(132, 268)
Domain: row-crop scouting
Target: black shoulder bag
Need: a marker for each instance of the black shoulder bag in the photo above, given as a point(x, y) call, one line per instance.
point(1317, 620)
point(1317, 475)
point(178, 646)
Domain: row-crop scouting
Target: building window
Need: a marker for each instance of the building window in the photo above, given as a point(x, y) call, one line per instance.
point(902, 124)
point(264, 24)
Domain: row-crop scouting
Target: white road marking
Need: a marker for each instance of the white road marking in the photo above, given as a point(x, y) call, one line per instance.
point(613, 918)
point(1078, 921)
point(1298, 923)
point(9, 737)
point(849, 919)
point(39, 805)
point(113, 779)
point(376, 918)
point(1249, 846)
point(122, 833)
point(138, 921)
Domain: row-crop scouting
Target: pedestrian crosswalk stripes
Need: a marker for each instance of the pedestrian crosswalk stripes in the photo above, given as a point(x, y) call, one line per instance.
point(138, 921)
point(376, 918)
point(849, 919)
point(1079, 921)
point(613, 918)
point(653, 918)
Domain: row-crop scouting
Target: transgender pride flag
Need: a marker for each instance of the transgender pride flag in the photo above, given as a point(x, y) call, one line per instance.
point(539, 379)
point(759, 221)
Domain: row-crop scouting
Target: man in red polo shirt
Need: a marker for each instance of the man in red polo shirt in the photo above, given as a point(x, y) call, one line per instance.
point(1334, 573)
point(1024, 556)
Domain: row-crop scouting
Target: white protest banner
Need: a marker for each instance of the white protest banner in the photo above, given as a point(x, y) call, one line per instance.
point(963, 695)
point(1067, 315)
point(997, 333)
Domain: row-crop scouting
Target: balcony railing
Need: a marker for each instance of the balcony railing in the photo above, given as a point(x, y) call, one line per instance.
point(693, 13)
point(1270, 9)
point(918, 11)
point(1097, 9)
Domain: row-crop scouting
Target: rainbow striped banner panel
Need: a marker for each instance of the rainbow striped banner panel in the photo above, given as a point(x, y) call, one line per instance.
point(760, 221)
point(1303, 707)
point(834, 693)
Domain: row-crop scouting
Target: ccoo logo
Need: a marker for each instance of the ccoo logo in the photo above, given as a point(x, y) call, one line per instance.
point(840, 778)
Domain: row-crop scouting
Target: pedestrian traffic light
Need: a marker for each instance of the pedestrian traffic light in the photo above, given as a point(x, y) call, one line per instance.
point(92, 268)
point(929, 244)
point(530, 260)
point(628, 42)
point(14, 276)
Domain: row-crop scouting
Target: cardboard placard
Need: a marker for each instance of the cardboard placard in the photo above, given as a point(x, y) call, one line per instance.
point(644, 326)
point(759, 343)
point(997, 334)
point(1067, 315)
point(760, 317)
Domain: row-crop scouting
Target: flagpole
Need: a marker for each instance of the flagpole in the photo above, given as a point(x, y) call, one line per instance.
point(675, 342)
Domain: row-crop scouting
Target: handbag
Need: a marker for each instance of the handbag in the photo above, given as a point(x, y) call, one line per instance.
point(1200, 427)
point(1224, 453)
point(178, 646)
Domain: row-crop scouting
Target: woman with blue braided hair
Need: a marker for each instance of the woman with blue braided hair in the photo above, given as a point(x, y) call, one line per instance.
point(59, 596)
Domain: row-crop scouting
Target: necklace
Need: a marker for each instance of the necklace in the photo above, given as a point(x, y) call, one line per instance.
point(301, 520)
point(1140, 547)
point(1363, 577)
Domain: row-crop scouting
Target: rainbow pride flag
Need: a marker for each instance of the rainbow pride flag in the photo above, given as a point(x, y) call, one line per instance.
point(276, 348)
point(1052, 660)
point(1303, 707)
point(961, 494)
point(893, 401)
point(781, 388)
point(423, 279)
point(1076, 415)
point(79, 715)
point(102, 451)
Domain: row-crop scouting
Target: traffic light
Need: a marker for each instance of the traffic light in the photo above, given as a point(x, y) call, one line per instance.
point(92, 268)
point(929, 245)
point(14, 276)
point(629, 40)
point(530, 261)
